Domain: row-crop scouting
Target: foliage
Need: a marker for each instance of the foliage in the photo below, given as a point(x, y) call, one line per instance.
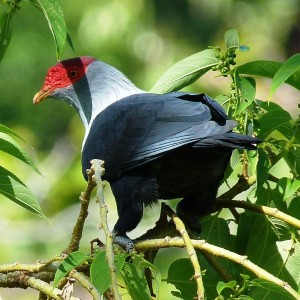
point(11, 186)
point(263, 239)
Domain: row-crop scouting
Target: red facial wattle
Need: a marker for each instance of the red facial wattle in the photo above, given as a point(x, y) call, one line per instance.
point(62, 75)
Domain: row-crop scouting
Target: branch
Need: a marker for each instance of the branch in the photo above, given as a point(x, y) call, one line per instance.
point(78, 228)
point(217, 251)
point(31, 268)
point(97, 167)
point(242, 185)
point(22, 280)
point(213, 261)
point(270, 211)
point(190, 249)
point(85, 283)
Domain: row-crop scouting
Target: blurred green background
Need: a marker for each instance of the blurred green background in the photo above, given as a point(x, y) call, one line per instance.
point(142, 38)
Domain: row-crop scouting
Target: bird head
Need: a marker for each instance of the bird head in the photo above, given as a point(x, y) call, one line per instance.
point(87, 84)
point(61, 77)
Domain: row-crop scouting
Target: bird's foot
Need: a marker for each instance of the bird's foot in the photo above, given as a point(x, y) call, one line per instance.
point(124, 242)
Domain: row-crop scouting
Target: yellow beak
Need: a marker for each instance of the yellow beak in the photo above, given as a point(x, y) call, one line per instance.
point(40, 95)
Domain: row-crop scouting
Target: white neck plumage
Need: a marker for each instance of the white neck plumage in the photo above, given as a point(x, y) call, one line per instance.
point(106, 85)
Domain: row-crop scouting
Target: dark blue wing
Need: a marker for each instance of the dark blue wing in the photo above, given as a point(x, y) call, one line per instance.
point(143, 127)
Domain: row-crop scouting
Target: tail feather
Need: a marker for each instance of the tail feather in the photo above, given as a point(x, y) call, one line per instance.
point(229, 140)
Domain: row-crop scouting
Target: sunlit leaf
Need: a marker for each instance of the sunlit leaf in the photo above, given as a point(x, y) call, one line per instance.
point(10, 146)
point(232, 38)
point(285, 71)
point(248, 87)
point(14, 189)
point(5, 32)
point(268, 68)
point(185, 72)
point(287, 187)
point(53, 13)
point(68, 264)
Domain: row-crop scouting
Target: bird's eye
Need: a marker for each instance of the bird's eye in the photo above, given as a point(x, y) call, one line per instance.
point(73, 73)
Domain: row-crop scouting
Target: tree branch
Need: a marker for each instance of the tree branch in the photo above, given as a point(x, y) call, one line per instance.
point(85, 283)
point(83, 213)
point(269, 211)
point(36, 281)
point(221, 252)
point(97, 167)
point(190, 249)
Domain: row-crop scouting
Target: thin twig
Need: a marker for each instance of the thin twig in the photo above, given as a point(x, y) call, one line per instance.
point(269, 211)
point(221, 252)
point(190, 249)
point(97, 166)
point(242, 185)
point(85, 283)
point(213, 261)
point(83, 213)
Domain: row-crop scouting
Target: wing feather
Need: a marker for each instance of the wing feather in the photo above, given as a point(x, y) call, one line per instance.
point(140, 128)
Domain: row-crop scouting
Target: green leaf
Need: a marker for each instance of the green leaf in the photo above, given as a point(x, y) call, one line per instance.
point(179, 274)
point(245, 297)
point(287, 187)
point(10, 146)
point(277, 290)
point(277, 119)
point(232, 39)
point(100, 272)
point(14, 189)
point(155, 274)
point(222, 285)
point(268, 68)
point(263, 168)
point(53, 13)
point(286, 70)
point(290, 253)
point(293, 160)
point(7, 130)
point(68, 264)
point(5, 32)
point(135, 280)
point(185, 72)
point(248, 87)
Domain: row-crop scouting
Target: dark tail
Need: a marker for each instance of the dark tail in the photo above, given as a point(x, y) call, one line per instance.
point(229, 140)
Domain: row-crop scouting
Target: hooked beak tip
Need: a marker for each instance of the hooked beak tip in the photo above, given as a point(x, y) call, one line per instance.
point(40, 95)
